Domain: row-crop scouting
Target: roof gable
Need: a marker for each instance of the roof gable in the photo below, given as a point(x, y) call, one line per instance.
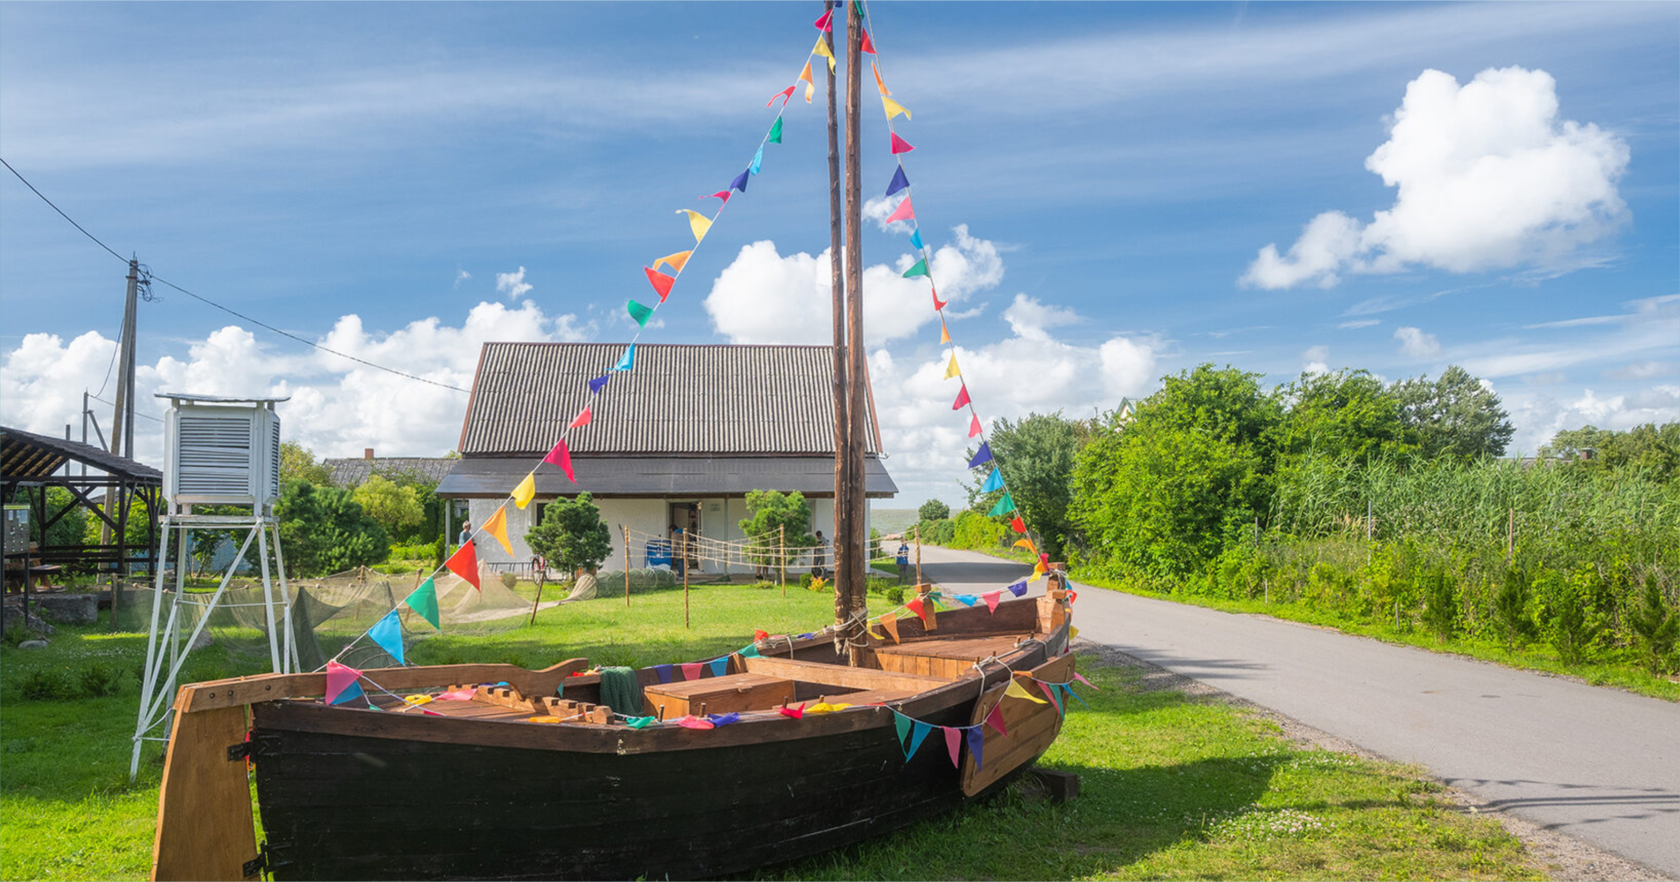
point(679, 400)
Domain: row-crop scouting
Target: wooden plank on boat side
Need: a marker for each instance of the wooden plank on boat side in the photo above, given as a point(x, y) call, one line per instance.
point(237, 691)
point(836, 675)
point(718, 695)
point(1032, 728)
point(204, 826)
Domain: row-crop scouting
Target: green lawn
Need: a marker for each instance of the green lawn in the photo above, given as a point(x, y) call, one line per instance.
point(1172, 787)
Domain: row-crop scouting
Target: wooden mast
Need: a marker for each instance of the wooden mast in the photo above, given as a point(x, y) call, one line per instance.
point(857, 561)
point(842, 421)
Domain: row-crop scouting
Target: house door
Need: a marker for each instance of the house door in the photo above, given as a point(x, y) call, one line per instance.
point(686, 517)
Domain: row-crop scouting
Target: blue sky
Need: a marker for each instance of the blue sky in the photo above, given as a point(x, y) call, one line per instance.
point(1099, 180)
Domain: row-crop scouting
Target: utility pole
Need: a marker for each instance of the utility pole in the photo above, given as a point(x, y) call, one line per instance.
point(857, 561)
point(122, 421)
point(842, 419)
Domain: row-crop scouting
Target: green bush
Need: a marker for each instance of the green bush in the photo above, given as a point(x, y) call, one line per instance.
point(1656, 629)
point(98, 680)
point(895, 594)
point(974, 530)
point(46, 685)
point(1510, 609)
point(1440, 606)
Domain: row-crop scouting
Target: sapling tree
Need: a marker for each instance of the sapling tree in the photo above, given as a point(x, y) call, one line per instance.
point(571, 535)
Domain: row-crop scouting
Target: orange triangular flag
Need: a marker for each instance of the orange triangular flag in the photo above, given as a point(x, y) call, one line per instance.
point(464, 563)
point(497, 527)
point(891, 626)
point(675, 260)
point(944, 332)
point(878, 84)
point(582, 419)
point(810, 86)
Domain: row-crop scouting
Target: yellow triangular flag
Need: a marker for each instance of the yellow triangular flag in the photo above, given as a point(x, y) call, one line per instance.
point(951, 369)
point(1015, 691)
point(823, 707)
point(822, 49)
point(944, 332)
point(697, 222)
point(526, 491)
point(1038, 569)
point(675, 260)
point(497, 527)
point(1072, 633)
point(891, 624)
point(893, 108)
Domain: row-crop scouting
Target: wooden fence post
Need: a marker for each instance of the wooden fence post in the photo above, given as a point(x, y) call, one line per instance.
point(781, 555)
point(626, 529)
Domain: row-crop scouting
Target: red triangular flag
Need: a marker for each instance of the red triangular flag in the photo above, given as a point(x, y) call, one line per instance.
point(867, 46)
point(795, 712)
point(826, 23)
point(339, 678)
point(561, 456)
point(464, 563)
point(761, 635)
point(899, 145)
point(582, 419)
point(995, 719)
point(721, 194)
point(991, 598)
point(691, 671)
point(937, 303)
point(1018, 525)
point(785, 95)
point(905, 211)
point(661, 282)
point(953, 742)
point(915, 606)
point(974, 426)
point(962, 398)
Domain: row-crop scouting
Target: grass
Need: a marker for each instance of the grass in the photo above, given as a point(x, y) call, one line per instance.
point(1534, 656)
point(1172, 787)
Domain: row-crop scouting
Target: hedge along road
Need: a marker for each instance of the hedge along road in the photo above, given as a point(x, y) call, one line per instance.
point(1597, 764)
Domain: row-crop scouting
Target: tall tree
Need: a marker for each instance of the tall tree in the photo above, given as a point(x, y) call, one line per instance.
point(1454, 416)
point(1650, 448)
point(324, 530)
point(397, 507)
point(1346, 414)
point(774, 516)
point(298, 463)
point(1036, 455)
point(571, 535)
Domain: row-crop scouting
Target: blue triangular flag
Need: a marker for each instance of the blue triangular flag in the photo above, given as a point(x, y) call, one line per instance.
point(916, 239)
point(1069, 690)
point(387, 632)
point(628, 361)
point(350, 693)
point(807, 635)
point(920, 732)
point(981, 456)
point(1019, 589)
point(976, 743)
point(664, 672)
point(740, 182)
point(994, 481)
point(721, 720)
point(599, 383)
point(720, 666)
point(758, 160)
point(899, 181)
point(966, 599)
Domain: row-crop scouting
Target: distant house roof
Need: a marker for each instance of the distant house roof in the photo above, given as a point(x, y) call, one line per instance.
point(351, 472)
point(680, 400)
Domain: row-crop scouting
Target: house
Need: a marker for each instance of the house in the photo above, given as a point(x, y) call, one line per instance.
point(678, 440)
point(352, 471)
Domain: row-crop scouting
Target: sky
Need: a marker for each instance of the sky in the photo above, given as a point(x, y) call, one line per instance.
point(1113, 192)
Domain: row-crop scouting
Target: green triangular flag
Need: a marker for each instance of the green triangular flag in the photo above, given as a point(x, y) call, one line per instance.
point(858, 5)
point(639, 312)
point(751, 651)
point(920, 269)
point(903, 724)
point(1005, 505)
point(423, 600)
point(775, 132)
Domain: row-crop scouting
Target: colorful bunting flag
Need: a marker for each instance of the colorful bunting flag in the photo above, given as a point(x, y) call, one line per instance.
point(919, 732)
point(951, 369)
point(893, 108)
point(938, 305)
point(639, 312)
point(907, 212)
point(823, 707)
point(423, 600)
point(340, 678)
point(916, 240)
point(526, 491)
point(973, 425)
point(880, 86)
point(858, 5)
point(721, 720)
point(464, 563)
point(822, 49)
point(465, 693)
point(1015, 691)
point(966, 599)
point(599, 383)
point(994, 482)
point(981, 456)
point(976, 744)
point(1020, 526)
point(899, 145)
point(750, 651)
point(775, 136)
point(867, 46)
point(1019, 589)
point(660, 282)
point(795, 712)
point(740, 182)
point(757, 163)
point(721, 194)
point(691, 721)
point(962, 399)
point(953, 742)
point(1005, 504)
point(584, 416)
point(561, 455)
point(691, 671)
point(387, 632)
point(627, 360)
point(826, 23)
point(1050, 691)
point(640, 722)
point(810, 85)
point(1039, 569)
point(697, 222)
point(1077, 676)
point(890, 625)
point(945, 337)
point(497, 526)
point(678, 260)
point(785, 94)
point(902, 724)
point(916, 606)
point(921, 267)
point(992, 598)
point(663, 672)
point(720, 666)
point(995, 719)
point(1068, 692)
point(899, 181)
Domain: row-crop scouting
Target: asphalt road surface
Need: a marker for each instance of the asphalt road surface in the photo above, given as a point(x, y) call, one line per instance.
point(1597, 764)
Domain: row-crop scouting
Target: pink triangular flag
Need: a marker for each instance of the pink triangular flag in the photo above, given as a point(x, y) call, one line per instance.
point(339, 678)
point(785, 94)
point(991, 598)
point(583, 418)
point(974, 425)
point(561, 456)
point(962, 398)
point(899, 145)
point(1081, 679)
point(995, 719)
point(463, 694)
point(725, 194)
point(953, 742)
point(795, 712)
point(692, 722)
point(905, 211)
point(691, 671)
point(1049, 690)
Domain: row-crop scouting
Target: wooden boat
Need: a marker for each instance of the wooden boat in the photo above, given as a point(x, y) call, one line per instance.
point(476, 789)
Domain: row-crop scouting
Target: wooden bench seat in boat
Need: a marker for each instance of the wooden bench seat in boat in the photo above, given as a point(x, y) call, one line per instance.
point(718, 695)
point(949, 658)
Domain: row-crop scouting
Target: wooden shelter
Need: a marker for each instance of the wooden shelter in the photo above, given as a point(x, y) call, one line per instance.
point(31, 461)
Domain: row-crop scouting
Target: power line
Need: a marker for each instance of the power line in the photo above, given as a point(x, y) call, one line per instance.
point(207, 301)
point(136, 413)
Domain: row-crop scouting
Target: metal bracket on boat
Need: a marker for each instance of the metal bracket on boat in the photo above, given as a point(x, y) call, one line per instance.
point(237, 752)
point(265, 861)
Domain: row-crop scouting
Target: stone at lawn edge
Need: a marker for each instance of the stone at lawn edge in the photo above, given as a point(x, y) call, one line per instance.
point(33, 644)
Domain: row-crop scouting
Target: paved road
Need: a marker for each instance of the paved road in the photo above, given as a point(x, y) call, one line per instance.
point(1598, 764)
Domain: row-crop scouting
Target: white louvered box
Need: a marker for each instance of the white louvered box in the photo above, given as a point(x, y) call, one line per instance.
point(221, 451)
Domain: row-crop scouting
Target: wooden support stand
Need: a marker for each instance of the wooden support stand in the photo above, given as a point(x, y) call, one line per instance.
point(1058, 786)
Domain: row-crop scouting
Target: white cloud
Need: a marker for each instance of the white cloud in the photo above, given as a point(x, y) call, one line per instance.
point(1538, 417)
point(1644, 370)
point(1414, 343)
point(337, 407)
point(1487, 177)
point(1358, 323)
point(1316, 359)
point(513, 284)
point(1031, 318)
point(461, 275)
point(765, 297)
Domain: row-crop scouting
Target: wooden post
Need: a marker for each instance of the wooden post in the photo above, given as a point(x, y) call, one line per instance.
point(685, 577)
point(918, 554)
point(842, 420)
point(781, 555)
point(857, 567)
point(538, 578)
point(626, 529)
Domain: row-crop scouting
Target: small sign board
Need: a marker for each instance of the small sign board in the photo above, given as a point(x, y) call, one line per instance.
point(16, 539)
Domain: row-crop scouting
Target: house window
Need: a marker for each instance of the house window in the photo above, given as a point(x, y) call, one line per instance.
point(537, 509)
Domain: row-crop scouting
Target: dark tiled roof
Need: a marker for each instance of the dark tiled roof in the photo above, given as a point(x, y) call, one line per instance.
point(679, 399)
point(352, 472)
point(662, 476)
point(26, 455)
